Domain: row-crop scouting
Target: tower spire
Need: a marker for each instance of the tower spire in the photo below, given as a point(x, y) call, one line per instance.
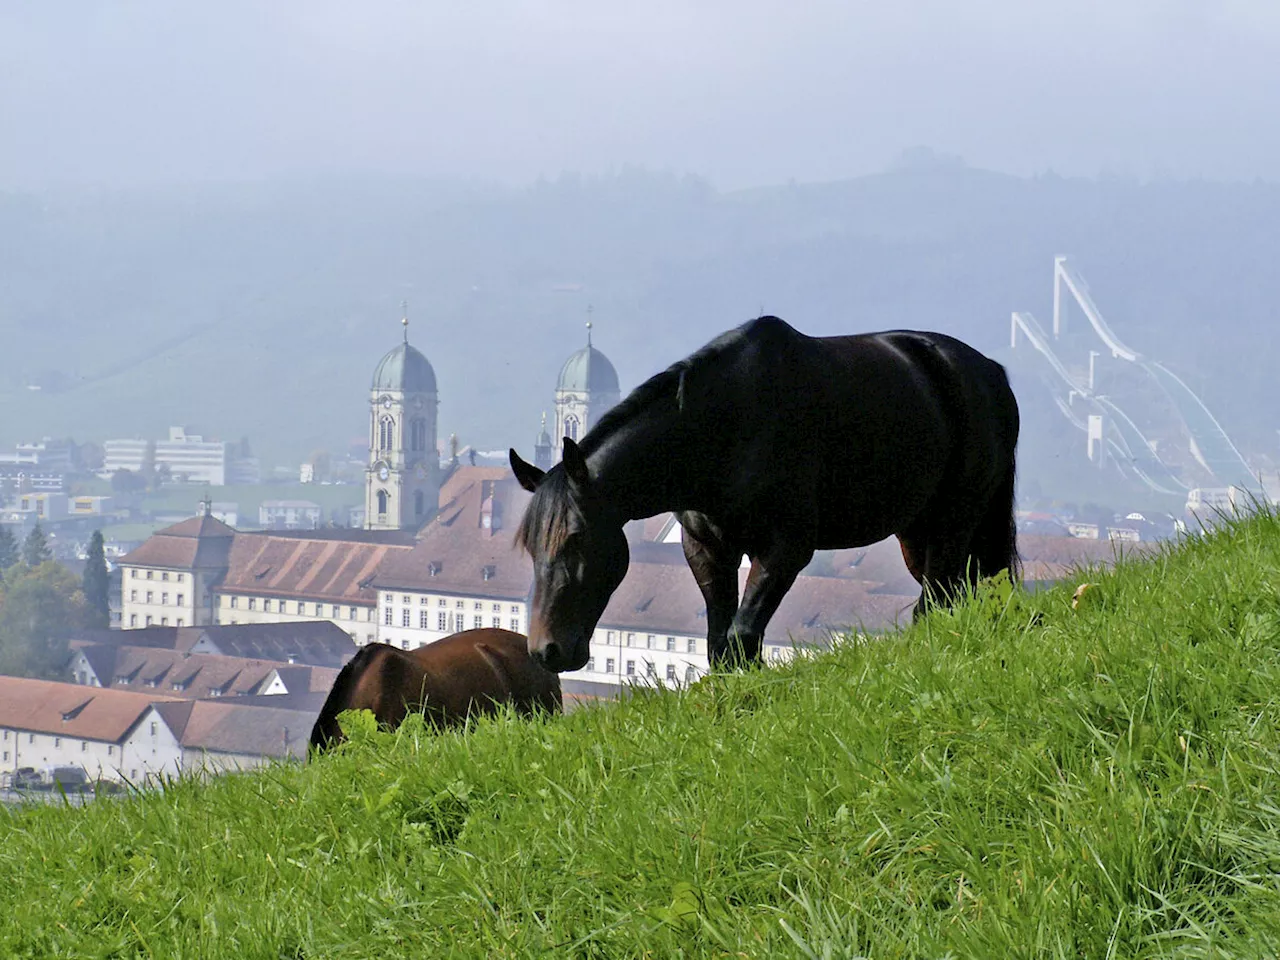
point(404, 318)
point(590, 310)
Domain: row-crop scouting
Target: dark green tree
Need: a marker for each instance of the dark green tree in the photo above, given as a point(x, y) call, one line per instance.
point(40, 608)
point(96, 585)
point(8, 549)
point(125, 481)
point(35, 549)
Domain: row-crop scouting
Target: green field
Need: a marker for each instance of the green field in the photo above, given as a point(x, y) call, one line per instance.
point(1015, 779)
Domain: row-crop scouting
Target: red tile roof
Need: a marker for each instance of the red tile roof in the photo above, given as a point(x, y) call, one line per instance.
point(224, 726)
point(464, 494)
point(72, 710)
point(196, 543)
point(330, 570)
point(460, 564)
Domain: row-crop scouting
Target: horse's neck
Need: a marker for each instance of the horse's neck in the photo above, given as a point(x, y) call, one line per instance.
point(647, 468)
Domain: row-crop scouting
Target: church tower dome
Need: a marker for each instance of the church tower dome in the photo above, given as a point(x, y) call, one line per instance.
point(402, 485)
point(587, 388)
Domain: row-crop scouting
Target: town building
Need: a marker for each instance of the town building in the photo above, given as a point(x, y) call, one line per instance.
point(188, 458)
point(296, 642)
point(171, 579)
point(289, 515)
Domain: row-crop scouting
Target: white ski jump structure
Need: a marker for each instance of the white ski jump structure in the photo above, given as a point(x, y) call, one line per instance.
point(1112, 434)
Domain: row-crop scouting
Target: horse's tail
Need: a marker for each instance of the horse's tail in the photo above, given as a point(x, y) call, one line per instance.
point(995, 542)
point(326, 729)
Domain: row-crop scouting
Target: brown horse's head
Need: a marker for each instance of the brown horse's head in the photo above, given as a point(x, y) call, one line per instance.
point(579, 555)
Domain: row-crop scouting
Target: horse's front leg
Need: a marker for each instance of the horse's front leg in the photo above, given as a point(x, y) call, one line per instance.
point(714, 563)
point(772, 575)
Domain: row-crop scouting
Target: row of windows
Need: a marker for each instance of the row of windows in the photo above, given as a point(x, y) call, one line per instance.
point(651, 669)
point(407, 599)
point(281, 606)
point(164, 575)
point(652, 642)
point(57, 742)
point(164, 597)
point(150, 621)
point(444, 621)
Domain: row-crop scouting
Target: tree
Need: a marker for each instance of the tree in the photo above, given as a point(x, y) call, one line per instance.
point(8, 549)
point(40, 608)
point(96, 585)
point(321, 465)
point(35, 549)
point(126, 481)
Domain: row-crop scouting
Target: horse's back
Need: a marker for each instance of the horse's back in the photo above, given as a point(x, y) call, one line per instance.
point(490, 664)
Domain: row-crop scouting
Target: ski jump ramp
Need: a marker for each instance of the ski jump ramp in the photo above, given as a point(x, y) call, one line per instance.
point(1122, 440)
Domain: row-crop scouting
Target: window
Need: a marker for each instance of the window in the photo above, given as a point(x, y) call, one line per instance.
point(515, 608)
point(368, 638)
point(406, 599)
point(478, 621)
point(671, 644)
point(591, 664)
point(351, 613)
point(179, 578)
point(150, 595)
point(31, 738)
point(165, 575)
point(386, 616)
point(386, 433)
point(693, 645)
point(181, 622)
point(6, 756)
point(571, 427)
point(460, 605)
point(84, 746)
point(319, 609)
point(150, 574)
point(608, 665)
point(690, 673)
point(515, 624)
point(442, 602)
point(424, 601)
point(404, 644)
point(336, 611)
point(133, 619)
point(497, 608)
point(631, 639)
point(418, 434)
point(181, 597)
point(382, 502)
point(164, 621)
point(302, 609)
point(479, 605)
point(648, 641)
point(631, 668)
point(442, 621)
point(133, 594)
point(497, 623)
point(253, 603)
point(404, 618)
point(111, 750)
point(419, 503)
point(651, 669)
point(57, 741)
point(422, 619)
point(671, 672)
point(235, 602)
point(611, 636)
point(133, 574)
point(148, 620)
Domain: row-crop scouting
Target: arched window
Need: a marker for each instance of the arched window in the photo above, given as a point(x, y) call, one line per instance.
point(418, 502)
point(382, 502)
point(386, 433)
point(571, 427)
point(418, 434)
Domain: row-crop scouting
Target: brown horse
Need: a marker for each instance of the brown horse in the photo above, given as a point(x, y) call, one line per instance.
point(462, 675)
point(773, 444)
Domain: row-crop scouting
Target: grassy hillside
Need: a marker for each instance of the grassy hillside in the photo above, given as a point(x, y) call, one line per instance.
point(1015, 779)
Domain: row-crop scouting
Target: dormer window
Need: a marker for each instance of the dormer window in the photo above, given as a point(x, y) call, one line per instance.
point(434, 568)
point(488, 571)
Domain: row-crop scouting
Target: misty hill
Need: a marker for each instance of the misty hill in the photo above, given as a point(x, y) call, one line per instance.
point(261, 310)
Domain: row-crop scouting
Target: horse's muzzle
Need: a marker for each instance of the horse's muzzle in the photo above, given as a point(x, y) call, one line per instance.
point(559, 657)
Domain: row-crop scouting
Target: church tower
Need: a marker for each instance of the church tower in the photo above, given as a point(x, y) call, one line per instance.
point(587, 388)
point(542, 447)
point(402, 484)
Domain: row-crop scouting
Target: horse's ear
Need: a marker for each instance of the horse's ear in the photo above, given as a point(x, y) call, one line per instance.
point(527, 475)
point(575, 464)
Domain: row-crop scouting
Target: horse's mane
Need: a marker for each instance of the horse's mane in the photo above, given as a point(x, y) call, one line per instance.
point(552, 513)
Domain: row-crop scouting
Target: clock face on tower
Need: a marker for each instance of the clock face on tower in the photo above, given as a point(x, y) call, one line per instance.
point(386, 402)
point(383, 472)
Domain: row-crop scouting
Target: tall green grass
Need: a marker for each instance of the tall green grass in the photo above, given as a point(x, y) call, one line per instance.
point(1016, 778)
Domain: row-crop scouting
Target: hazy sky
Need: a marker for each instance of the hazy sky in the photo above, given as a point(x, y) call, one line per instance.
point(745, 92)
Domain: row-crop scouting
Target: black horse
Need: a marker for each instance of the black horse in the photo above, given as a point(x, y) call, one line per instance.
point(773, 444)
